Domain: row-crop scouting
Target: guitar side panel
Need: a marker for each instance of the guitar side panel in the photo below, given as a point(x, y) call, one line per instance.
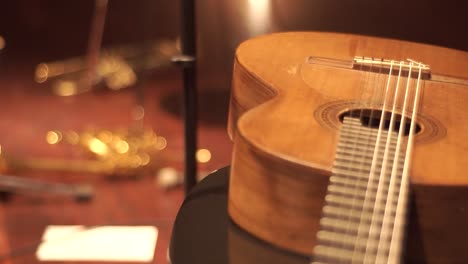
point(270, 197)
point(274, 199)
point(247, 92)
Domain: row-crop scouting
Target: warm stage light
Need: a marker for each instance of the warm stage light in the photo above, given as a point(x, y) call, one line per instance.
point(2, 43)
point(259, 16)
point(121, 146)
point(259, 4)
point(98, 147)
point(53, 137)
point(42, 73)
point(203, 155)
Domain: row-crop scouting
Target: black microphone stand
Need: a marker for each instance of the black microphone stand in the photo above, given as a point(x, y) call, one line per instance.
point(187, 61)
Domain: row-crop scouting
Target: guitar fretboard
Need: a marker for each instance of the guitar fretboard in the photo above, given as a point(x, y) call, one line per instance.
point(359, 215)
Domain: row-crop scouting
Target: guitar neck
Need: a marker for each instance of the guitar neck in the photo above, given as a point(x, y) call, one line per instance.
point(363, 220)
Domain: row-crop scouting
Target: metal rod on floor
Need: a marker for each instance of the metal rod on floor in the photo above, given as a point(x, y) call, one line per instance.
point(187, 60)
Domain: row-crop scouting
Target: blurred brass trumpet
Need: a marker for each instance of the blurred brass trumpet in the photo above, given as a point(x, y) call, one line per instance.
point(116, 67)
point(117, 153)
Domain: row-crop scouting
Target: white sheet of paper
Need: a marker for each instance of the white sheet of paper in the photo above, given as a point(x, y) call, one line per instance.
point(102, 243)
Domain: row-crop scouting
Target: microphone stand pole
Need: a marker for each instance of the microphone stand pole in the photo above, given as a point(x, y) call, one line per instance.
point(187, 61)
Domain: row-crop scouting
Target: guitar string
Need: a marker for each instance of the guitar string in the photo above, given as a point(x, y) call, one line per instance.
point(370, 121)
point(378, 225)
point(353, 158)
point(361, 234)
point(357, 107)
point(365, 86)
point(382, 177)
point(385, 220)
point(402, 128)
point(401, 131)
point(373, 99)
point(390, 129)
point(376, 145)
point(400, 218)
point(407, 124)
point(389, 225)
point(391, 121)
point(389, 193)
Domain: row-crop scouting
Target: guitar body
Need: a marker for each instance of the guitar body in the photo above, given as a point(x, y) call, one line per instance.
point(285, 120)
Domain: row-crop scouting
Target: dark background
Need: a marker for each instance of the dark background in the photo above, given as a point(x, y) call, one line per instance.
point(55, 29)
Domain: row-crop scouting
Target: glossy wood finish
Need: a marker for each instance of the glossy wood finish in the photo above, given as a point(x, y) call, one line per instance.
point(287, 152)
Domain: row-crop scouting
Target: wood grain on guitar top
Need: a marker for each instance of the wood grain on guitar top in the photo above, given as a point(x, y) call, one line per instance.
point(283, 155)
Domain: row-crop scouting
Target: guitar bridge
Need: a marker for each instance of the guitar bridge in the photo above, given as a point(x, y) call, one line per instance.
point(397, 67)
point(377, 65)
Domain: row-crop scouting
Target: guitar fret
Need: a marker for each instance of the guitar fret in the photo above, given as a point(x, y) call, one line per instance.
point(367, 150)
point(360, 166)
point(357, 173)
point(346, 240)
point(359, 206)
point(350, 152)
point(353, 215)
point(363, 186)
point(347, 159)
point(361, 183)
point(366, 132)
point(341, 200)
point(360, 146)
point(351, 121)
point(356, 201)
point(348, 192)
point(369, 139)
point(349, 214)
point(358, 128)
point(337, 254)
point(353, 154)
point(338, 226)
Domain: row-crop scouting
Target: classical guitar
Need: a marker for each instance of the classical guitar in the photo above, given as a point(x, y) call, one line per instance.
point(335, 136)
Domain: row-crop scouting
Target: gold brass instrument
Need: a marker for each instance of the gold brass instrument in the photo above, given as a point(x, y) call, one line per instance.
point(116, 67)
point(115, 153)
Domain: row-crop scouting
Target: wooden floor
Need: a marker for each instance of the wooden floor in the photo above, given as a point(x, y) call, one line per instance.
point(29, 110)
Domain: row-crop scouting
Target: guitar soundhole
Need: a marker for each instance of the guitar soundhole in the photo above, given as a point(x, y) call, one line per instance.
point(371, 118)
